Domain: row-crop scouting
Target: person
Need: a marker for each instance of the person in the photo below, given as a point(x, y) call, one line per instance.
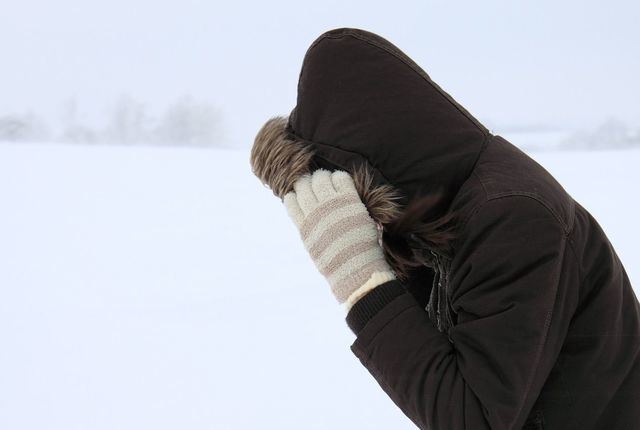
point(481, 294)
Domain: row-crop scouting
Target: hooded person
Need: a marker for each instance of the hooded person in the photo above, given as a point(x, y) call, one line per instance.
point(481, 294)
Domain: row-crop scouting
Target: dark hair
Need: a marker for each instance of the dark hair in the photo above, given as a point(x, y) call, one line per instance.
point(411, 236)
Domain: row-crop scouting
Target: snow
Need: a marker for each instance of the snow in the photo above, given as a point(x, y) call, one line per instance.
point(166, 288)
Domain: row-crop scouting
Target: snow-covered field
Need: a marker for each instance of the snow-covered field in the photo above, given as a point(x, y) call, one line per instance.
point(165, 288)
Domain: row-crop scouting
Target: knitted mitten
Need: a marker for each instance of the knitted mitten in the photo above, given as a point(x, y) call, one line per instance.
point(339, 234)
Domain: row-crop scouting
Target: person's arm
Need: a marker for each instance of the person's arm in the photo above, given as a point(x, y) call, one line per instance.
point(513, 303)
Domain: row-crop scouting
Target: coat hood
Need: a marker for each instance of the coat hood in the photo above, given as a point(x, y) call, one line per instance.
point(362, 100)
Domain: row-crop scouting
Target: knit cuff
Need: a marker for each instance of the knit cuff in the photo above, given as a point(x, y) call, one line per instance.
point(376, 278)
point(372, 302)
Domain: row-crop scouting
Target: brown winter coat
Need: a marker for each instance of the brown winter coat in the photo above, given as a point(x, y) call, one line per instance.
point(530, 322)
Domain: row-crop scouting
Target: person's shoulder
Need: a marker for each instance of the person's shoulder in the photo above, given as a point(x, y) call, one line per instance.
point(516, 207)
point(508, 232)
point(510, 180)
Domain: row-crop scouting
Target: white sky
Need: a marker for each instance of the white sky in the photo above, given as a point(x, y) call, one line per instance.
point(563, 64)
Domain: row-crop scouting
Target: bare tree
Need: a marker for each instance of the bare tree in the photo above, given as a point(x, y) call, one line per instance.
point(73, 129)
point(189, 122)
point(129, 123)
point(23, 127)
point(610, 134)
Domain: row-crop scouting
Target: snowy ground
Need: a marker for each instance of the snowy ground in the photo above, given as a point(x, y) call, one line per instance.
point(158, 288)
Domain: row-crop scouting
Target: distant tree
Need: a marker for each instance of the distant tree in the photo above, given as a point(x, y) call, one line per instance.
point(73, 130)
point(189, 122)
point(610, 134)
point(22, 128)
point(129, 123)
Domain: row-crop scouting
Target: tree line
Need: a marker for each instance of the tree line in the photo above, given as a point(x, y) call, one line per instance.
point(185, 122)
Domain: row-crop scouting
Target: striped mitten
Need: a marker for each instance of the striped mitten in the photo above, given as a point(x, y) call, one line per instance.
point(339, 234)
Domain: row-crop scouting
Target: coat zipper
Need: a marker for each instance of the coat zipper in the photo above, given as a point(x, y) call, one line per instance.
point(438, 307)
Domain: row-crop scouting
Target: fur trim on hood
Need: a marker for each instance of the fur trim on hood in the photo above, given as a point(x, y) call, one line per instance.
point(279, 159)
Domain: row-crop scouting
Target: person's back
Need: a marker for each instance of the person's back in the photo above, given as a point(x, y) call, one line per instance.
point(595, 380)
point(601, 352)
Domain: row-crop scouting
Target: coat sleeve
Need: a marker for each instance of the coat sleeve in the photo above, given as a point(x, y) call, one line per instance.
point(513, 302)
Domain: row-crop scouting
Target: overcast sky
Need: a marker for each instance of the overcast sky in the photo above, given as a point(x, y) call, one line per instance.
point(559, 64)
